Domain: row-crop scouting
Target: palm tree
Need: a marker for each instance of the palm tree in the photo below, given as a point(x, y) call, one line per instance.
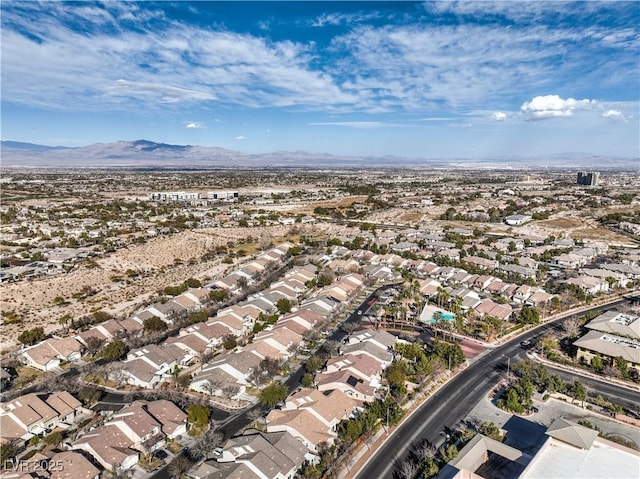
point(64, 321)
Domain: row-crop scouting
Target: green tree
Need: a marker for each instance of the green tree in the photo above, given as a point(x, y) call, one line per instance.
point(114, 351)
point(218, 295)
point(198, 415)
point(193, 283)
point(490, 429)
point(32, 336)
point(396, 376)
point(597, 364)
point(198, 317)
point(65, 320)
point(430, 468)
point(229, 342)
point(622, 365)
point(53, 439)
point(449, 453)
point(324, 280)
point(154, 325)
point(513, 401)
point(578, 391)
point(307, 380)
point(529, 315)
point(283, 305)
point(312, 364)
point(8, 452)
point(273, 394)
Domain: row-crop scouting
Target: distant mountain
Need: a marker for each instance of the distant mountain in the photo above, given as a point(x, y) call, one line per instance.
point(29, 146)
point(149, 154)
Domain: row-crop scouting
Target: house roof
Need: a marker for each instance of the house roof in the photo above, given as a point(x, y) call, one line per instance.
point(615, 322)
point(224, 470)
point(30, 409)
point(167, 413)
point(131, 325)
point(41, 353)
point(10, 429)
point(140, 369)
point(365, 365)
point(65, 346)
point(572, 433)
point(137, 418)
point(367, 347)
point(302, 421)
point(72, 465)
point(63, 402)
point(347, 378)
point(474, 452)
point(109, 443)
point(333, 406)
point(191, 341)
point(610, 345)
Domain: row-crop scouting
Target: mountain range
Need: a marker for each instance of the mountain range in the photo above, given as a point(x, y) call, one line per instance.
point(149, 154)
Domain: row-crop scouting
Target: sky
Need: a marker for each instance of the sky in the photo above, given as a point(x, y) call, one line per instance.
point(426, 80)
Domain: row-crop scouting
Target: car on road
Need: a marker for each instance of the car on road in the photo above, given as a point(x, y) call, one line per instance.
point(525, 344)
point(359, 312)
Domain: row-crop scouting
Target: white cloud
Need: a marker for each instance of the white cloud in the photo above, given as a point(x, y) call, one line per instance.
point(614, 115)
point(499, 116)
point(122, 60)
point(552, 106)
point(240, 138)
point(121, 68)
point(194, 124)
point(464, 124)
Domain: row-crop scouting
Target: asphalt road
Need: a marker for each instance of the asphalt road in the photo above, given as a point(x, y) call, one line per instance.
point(455, 400)
point(626, 398)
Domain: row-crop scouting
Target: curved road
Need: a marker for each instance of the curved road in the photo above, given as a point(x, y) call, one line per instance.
point(455, 400)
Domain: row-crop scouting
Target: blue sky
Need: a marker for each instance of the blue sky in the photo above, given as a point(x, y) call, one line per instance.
point(417, 79)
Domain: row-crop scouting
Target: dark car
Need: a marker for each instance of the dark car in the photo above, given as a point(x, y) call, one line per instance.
point(160, 454)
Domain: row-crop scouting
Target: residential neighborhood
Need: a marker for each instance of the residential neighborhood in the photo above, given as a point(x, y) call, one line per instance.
point(319, 334)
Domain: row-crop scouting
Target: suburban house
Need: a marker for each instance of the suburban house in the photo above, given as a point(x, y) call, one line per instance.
point(590, 284)
point(256, 455)
point(141, 426)
point(148, 366)
point(35, 414)
point(569, 260)
point(312, 416)
point(47, 354)
point(375, 344)
point(227, 376)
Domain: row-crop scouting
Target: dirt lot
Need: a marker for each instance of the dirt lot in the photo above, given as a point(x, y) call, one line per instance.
point(158, 263)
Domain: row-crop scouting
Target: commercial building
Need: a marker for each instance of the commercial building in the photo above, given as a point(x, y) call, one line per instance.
point(591, 178)
point(174, 196)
